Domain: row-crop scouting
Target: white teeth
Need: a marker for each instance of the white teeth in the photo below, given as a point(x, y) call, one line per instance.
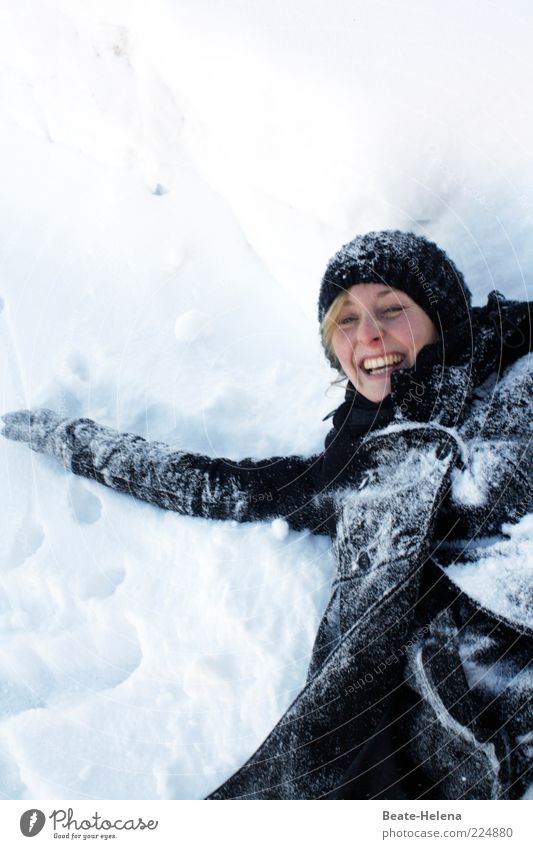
point(382, 362)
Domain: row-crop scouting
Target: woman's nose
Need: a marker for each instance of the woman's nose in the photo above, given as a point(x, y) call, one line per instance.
point(369, 330)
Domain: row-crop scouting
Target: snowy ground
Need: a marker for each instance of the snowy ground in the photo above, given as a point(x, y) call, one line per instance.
point(174, 177)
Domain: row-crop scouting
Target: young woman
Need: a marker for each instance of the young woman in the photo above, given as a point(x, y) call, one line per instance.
point(414, 690)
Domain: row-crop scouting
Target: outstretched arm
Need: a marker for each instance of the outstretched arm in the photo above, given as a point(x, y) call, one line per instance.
point(190, 484)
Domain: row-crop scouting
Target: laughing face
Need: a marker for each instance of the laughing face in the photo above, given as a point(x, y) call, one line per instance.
point(378, 330)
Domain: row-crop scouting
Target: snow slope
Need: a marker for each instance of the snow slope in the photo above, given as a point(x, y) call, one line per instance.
point(174, 177)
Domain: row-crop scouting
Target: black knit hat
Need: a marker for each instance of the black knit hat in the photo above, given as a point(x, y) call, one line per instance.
point(404, 261)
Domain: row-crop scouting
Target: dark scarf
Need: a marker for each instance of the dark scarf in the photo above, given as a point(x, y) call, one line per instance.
point(357, 415)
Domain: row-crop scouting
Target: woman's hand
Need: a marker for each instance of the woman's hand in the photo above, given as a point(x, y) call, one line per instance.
point(32, 426)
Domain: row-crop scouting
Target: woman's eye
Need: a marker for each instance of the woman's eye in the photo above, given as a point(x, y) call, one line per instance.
point(393, 310)
point(347, 319)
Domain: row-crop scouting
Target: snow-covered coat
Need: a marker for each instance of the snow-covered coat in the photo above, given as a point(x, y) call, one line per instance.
point(400, 644)
point(415, 688)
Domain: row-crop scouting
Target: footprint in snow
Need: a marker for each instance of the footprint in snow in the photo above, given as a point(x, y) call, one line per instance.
point(86, 507)
point(101, 583)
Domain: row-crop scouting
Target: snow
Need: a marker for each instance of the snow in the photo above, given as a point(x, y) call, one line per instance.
point(175, 176)
point(280, 529)
point(502, 578)
point(469, 485)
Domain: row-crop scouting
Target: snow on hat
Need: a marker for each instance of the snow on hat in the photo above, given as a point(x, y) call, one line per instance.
point(404, 261)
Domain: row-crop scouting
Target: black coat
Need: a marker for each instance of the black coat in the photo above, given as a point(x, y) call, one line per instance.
point(390, 708)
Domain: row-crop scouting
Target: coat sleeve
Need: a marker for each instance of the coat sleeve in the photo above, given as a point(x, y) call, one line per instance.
point(194, 484)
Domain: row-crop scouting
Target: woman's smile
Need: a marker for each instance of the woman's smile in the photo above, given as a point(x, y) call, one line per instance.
point(381, 364)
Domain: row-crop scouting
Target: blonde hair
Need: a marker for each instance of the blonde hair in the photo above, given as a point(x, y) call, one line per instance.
point(327, 329)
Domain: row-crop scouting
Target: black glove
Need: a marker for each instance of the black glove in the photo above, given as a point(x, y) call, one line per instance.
point(42, 429)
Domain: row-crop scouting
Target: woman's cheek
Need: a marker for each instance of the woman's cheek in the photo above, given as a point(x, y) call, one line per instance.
point(349, 338)
point(342, 343)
